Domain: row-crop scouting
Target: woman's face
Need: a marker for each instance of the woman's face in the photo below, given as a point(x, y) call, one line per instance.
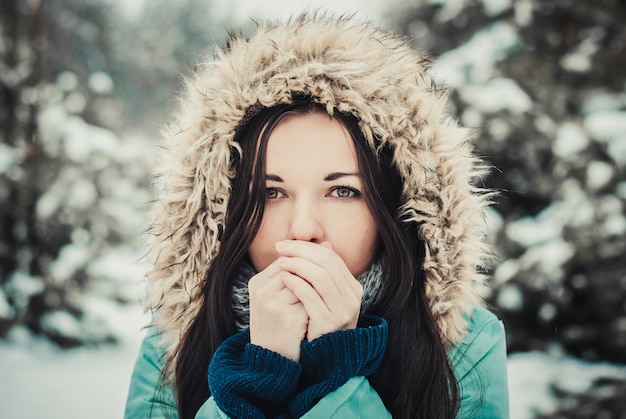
point(314, 193)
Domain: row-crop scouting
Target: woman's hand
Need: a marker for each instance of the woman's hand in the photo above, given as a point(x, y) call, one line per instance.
point(320, 280)
point(278, 320)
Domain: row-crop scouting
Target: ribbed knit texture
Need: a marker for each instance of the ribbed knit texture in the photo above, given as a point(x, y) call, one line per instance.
point(329, 361)
point(248, 381)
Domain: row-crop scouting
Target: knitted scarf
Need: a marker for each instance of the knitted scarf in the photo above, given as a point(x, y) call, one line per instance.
point(370, 280)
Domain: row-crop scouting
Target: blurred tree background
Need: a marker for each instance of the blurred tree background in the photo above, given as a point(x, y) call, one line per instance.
point(84, 88)
point(79, 81)
point(544, 82)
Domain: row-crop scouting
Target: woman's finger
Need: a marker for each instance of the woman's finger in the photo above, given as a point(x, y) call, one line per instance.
point(324, 257)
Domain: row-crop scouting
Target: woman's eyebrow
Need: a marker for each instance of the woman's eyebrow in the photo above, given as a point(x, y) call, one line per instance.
point(336, 175)
point(273, 177)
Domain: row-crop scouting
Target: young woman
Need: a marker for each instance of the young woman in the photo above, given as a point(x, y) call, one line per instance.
point(317, 240)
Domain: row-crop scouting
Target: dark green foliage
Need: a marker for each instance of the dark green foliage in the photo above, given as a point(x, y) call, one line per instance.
point(558, 155)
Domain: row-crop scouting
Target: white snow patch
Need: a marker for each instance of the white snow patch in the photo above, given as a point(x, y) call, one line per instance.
point(604, 102)
point(599, 173)
point(580, 59)
point(570, 140)
point(243, 10)
point(549, 257)
point(496, 7)
point(100, 82)
point(529, 231)
point(8, 158)
point(79, 139)
point(531, 375)
point(497, 95)
point(612, 209)
point(575, 209)
point(67, 81)
point(547, 312)
point(72, 257)
point(614, 225)
point(22, 286)
point(606, 125)
point(609, 126)
point(62, 323)
point(119, 265)
point(80, 383)
point(505, 271)
point(510, 297)
point(82, 194)
point(473, 61)
point(523, 12)
point(82, 140)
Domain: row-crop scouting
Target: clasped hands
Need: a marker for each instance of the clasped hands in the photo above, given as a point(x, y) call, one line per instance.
point(306, 292)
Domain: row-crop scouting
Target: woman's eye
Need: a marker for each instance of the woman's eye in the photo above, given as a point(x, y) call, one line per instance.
point(344, 192)
point(272, 193)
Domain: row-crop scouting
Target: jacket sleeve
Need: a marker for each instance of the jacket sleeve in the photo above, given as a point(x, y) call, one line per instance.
point(147, 398)
point(480, 367)
point(355, 399)
point(249, 381)
point(329, 361)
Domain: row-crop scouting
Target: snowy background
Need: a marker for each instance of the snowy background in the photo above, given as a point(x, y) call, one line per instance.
point(86, 85)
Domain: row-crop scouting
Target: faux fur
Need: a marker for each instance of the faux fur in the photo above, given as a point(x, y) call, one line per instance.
point(346, 66)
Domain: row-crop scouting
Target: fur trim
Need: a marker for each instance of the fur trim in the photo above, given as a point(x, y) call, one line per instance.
point(348, 67)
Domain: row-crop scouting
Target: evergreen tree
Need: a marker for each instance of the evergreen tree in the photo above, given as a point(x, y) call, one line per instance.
point(71, 194)
point(543, 83)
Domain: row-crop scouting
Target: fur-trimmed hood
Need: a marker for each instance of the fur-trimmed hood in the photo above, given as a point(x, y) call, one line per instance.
point(345, 66)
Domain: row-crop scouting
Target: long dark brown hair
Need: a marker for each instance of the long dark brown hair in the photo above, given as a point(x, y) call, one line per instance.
point(415, 379)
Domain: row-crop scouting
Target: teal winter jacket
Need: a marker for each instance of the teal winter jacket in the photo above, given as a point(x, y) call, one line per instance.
point(479, 365)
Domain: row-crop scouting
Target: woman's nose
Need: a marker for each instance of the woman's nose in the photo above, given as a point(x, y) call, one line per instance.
point(306, 223)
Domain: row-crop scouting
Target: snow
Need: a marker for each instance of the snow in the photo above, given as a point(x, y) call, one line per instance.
point(67, 81)
point(72, 257)
point(495, 7)
point(93, 382)
point(529, 231)
point(100, 82)
point(532, 374)
point(606, 125)
point(8, 158)
point(243, 9)
point(42, 381)
point(609, 126)
point(570, 140)
point(22, 286)
point(549, 257)
point(497, 95)
point(473, 62)
point(523, 12)
point(510, 297)
point(599, 173)
point(61, 323)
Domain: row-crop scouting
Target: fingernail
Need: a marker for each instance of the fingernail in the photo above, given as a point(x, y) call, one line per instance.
point(280, 245)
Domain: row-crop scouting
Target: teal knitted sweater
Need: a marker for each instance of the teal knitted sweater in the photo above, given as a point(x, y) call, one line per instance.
point(248, 381)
